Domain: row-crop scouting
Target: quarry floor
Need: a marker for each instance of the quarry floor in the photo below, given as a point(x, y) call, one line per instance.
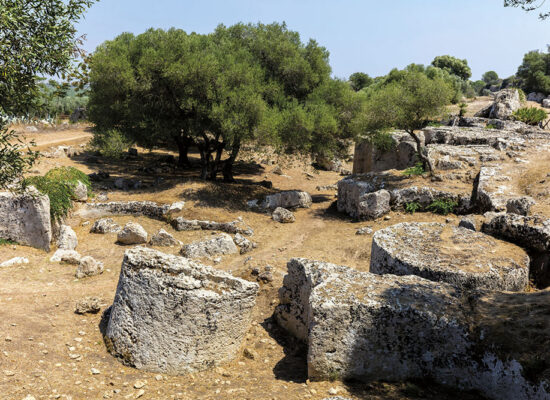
point(48, 351)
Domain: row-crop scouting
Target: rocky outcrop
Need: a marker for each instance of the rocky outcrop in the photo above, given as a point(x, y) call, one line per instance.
point(219, 245)
point(147, 208)
point(506, 102)
point(425, 196)
point(132, 233)
point(491, 190)
point(88, 266)
point(520, 205)
point(283, 216)
point(288, 199)
point(443, 253)
point(175, 316)
point(529, 232)
point(105, 225)
point(67, 239)
point(368, 327)
point(238, 226)
point(163, 238)
point(25, 218)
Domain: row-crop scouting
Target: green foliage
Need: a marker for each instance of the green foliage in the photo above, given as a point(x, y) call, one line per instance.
point(534, 72)
point(110, 143)
point(522, 96)
point(443, 207)
point(246, 83)
point(60, 194)
point(69, 175)
point(37, 38)
point(16, 157)
point(463, 108)
point(5, 242)
point(454, 66)
point(383, 141)
point(490, 78)
point(528, 5)
point(530, 115)
point(478, 86)
point(490, 126)
point(360, 80)
point(412, 207)
point(418, 169)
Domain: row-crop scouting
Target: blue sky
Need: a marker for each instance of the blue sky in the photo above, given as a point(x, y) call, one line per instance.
point(361, 35)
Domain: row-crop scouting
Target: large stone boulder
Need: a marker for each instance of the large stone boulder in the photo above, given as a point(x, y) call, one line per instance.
point(506, 102)
point(25, 218)
point(81, 192)
point(283, 216)
point(520, 205)
point(530, 232)
point(163, 238)
point(132, 233)
point(67, 239)
point(369, 327)
point(288, 199)
point(88, 266)
point(445, 253)
point(219, 245)
point(175, 316)
point(536, 96)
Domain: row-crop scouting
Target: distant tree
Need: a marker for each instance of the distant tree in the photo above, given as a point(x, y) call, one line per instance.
point(528, 5)
point(219, 91)
point(534, 72)
point(454, 66)
point(360, 80)
point(478, 86)
point(408, 104)
point(490, 78)
point(37, 38)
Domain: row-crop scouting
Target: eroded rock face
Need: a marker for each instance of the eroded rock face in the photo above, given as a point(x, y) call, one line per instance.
point(244, 244)
point(182, 224)
point(288, 199)
point(163, 238)
point(219, 245)
point(67, 239)
point(105, 225)
point(374, 205)
point(370, 327)
point(147, 208)
point(132, 233)
point(88, 266)
point(25, 219)
point(81, 192)
point(283, 216)
point(520, 205)
point(442, 253)
point(175, 316)
point(530, 232)
point(506, 102)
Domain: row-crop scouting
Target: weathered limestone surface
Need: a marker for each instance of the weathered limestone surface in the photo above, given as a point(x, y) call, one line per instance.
point(219, 245)
point(132, 233)
point(444, 253)
point(182, 224)
point(67, 239)
point(163, 238)
point(371, 327)
point(530, 232)
point(146, 208)
point(283, 216)
point(425, 196)
point(88, 266)
point(492, 192)
point(81, 191)
point(105, 225)
point(176, 316)
point(68, 256)
point(288, 199)
point(25, 219)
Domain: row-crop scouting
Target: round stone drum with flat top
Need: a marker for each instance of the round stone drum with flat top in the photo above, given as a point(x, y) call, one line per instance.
point(459, 256)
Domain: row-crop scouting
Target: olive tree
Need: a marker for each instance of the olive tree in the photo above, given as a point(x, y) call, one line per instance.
point(408, 104)
point(36, 37)
point(454, 66)
point(528, 5)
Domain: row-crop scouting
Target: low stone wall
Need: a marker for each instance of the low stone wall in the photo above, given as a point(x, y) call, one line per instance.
point(25, 219)
point(147, 208)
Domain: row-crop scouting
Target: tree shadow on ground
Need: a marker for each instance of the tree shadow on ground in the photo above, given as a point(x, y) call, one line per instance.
point(293, 366)
point(331, 213)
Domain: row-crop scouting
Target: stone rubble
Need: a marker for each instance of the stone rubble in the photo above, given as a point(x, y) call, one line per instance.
point(88, 266)
point(283, 216)
point(132, 233)
point(219, 245)
point(105, 225)
point(163, 238)
point(182, 224)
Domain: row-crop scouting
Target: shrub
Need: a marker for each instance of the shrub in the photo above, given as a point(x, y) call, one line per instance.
point(412, 207)
point(110, 143)
point(530, 115)
point(5, 242)
point(60, 194)
point(463, 107)
point(442, 207)
point(383, 141)
point(491, 126)
point(522, 96)
point(418, 169)
point(69, 175)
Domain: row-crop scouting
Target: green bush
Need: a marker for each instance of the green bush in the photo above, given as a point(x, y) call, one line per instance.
point(418, 169)
point(110, 143)
point(383, 141)
point(522, 96)
point(490, 126)
point(412, 207)
point(5, 242)
point(60, 193)
point(530, 115)
point(69, 175)
point(442, 207)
